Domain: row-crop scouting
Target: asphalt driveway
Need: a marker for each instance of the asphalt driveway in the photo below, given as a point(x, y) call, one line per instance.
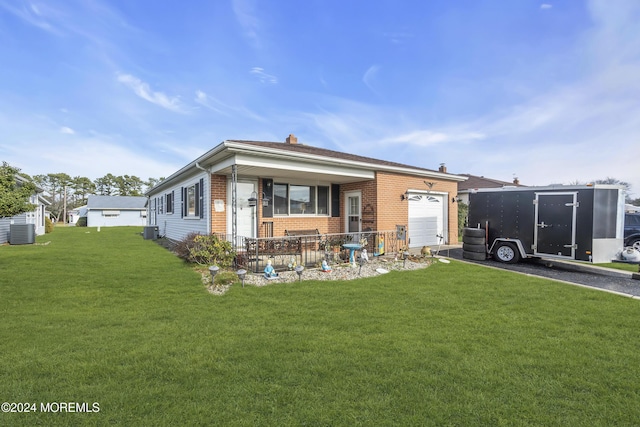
point(585, 275)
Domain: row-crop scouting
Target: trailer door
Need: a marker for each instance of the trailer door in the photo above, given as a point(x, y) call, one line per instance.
point(555, 224)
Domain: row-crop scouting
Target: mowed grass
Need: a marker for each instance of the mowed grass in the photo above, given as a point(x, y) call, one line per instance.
point(621, 266)
point(111, 318)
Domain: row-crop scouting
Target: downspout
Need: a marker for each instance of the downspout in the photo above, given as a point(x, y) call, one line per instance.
point(210, 201)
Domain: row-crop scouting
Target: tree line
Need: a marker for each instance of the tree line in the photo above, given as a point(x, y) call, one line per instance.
point(63, 191)
point(66, 192)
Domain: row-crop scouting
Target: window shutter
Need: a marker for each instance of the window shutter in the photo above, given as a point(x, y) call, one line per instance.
point(335, 200)
point(182, 198)
point(173, 201)
point(267, 189)
point(201, 201)
point(196, 190)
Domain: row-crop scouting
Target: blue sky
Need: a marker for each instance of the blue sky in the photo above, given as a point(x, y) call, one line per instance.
point(545, 91)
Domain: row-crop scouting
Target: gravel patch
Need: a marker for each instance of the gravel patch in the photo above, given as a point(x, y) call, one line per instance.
point(338, 272)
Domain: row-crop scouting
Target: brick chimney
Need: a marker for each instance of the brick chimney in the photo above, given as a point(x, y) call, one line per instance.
point(291, 139)
point(442, 168)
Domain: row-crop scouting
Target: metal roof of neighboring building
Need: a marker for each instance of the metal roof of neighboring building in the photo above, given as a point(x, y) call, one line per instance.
point(475, 182)
point(116, 202)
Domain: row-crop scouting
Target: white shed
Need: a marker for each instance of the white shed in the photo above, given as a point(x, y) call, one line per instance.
point(111, 211)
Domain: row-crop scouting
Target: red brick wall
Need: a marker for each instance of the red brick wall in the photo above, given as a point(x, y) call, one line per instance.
point(393, 211)
point(219, 192)
point(382, 207)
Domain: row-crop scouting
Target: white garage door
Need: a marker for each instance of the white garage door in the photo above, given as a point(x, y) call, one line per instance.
point(426, 219)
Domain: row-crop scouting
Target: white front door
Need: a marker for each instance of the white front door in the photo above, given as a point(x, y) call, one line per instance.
point(353, 211)
point(246, 215)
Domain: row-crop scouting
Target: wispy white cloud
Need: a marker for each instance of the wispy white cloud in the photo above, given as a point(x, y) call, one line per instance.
point(398, 37)
point(369, 77)
point(144, 91)
point(427, 138)
point(263, 77)
point(32, 14)
point(546, 6)
point(67, 130)
point(220, 107)
point(209, 102)
point(245, 12)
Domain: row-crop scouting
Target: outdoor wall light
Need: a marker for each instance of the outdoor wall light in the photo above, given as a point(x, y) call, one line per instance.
point(213, 270)
point(241, 275)
point(253, 200)
point(404, 196)
point(299, 270)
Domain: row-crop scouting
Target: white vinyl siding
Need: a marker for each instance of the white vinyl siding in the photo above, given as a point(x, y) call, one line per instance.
point(179, 218)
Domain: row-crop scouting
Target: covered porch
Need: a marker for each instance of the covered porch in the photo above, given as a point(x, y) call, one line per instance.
point(287, 252)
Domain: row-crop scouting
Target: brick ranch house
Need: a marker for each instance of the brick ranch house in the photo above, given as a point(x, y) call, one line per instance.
point(300, 187)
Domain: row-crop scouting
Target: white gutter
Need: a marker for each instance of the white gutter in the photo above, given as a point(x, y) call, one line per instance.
point(240, 147)
point(236, 147)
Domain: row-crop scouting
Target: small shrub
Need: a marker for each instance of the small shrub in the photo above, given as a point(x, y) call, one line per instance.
point(463, 213)
point(205, 250)
point(82, 222)
point(48, 225)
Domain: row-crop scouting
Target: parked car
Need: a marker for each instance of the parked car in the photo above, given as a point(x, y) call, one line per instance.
point(632, 230)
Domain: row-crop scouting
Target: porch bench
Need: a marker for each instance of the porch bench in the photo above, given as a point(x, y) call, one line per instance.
point(310, 232)
point(309, 244)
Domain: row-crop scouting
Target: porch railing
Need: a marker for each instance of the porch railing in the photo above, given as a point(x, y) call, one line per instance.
point(310, 250)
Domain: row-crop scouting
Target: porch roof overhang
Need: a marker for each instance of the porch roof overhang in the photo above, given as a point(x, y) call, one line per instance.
point(258, 161)
point(290, 169)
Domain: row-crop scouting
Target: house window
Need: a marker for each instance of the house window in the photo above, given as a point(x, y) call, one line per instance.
point(302, 200)
point(281, 199)
point(191, 201)
point(169, 201)
point(292, 199)
point(111, 214)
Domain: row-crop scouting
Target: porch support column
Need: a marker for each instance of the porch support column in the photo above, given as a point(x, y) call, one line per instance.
point(234, 205)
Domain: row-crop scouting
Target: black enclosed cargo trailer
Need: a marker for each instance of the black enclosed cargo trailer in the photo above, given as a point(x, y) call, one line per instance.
point(584, 223)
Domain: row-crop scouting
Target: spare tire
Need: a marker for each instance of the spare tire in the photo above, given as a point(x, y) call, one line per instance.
point(475, 256)
point(474, 248)
point(473, 232)
point(473, 240)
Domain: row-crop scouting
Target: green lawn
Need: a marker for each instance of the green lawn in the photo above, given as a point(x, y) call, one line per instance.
point(621, 266)
point(111, 318)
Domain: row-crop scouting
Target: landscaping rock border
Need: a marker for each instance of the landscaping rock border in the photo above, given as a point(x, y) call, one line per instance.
point(339, 272)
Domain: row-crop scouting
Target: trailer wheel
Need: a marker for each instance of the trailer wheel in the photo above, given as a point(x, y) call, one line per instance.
point(476, 256)
point(474, 248)
point(473, 232)
point(506, 252)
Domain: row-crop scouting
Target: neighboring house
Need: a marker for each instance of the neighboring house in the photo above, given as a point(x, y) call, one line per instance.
point(36, 217)
point(110, 211)
point(474, 182)
point(300, 187)
point(75, 214)
point(628, 208)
